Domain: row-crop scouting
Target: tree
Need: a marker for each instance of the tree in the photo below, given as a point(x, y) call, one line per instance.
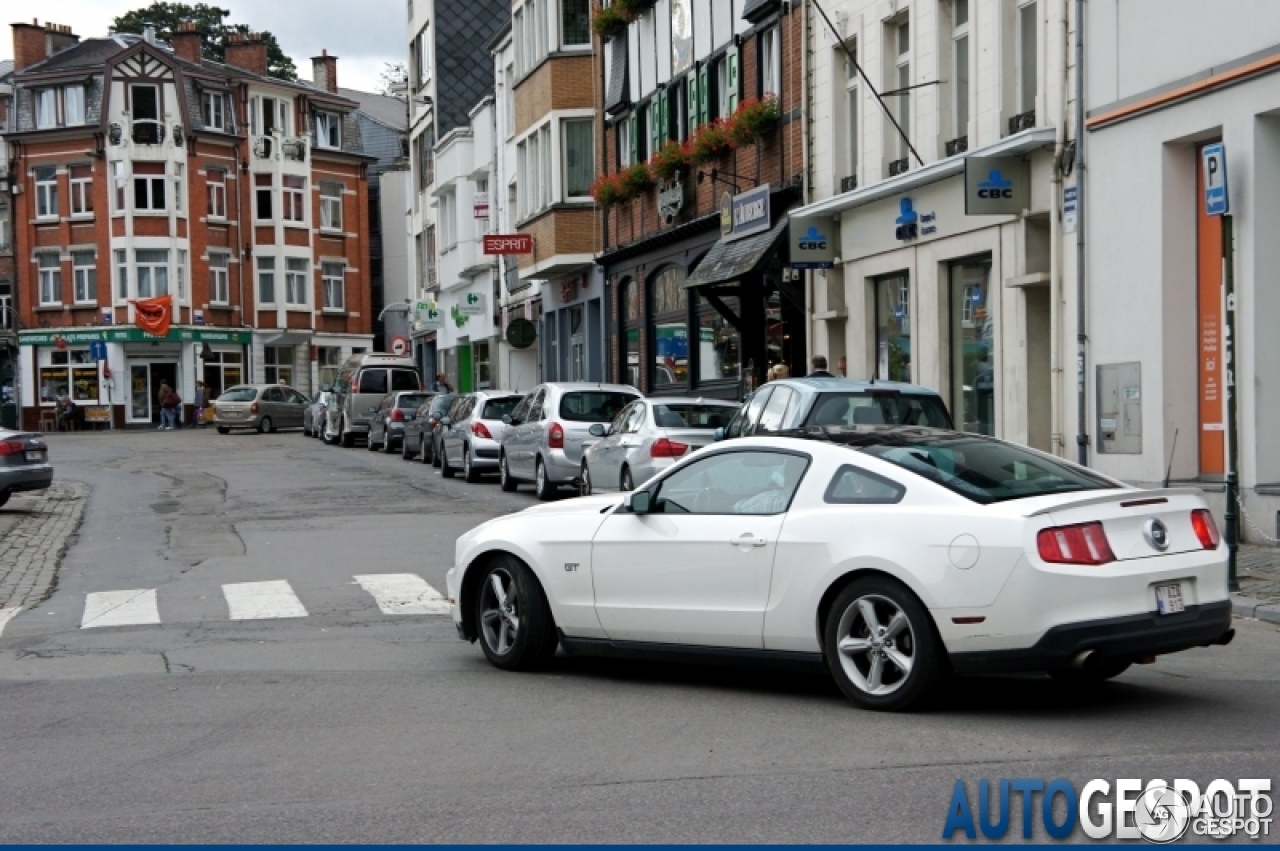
point(211, 22)
point(392, 79)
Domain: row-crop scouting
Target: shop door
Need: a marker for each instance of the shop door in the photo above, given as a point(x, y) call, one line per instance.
point(465, 383)
point(144, 389)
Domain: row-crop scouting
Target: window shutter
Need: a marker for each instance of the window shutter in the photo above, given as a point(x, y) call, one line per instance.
point(704, 95)
point(735, 80)
point(635, 135)
point(658, 109)
point(253, 115)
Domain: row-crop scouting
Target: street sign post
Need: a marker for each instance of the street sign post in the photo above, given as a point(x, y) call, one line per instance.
point(98, 350)
point(1217, 202)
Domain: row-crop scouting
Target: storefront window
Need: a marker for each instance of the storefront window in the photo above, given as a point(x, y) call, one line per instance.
point(719, 343)
point(631, 328)
point(893, 328)
point(330, 358)
point(670, 327)
point(972, 346)
point(278, 364)
point(480, 359)
point(72, 373)
point(222, 370)
point(577, 345)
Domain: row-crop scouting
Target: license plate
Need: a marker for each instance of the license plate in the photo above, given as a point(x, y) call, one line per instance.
point(1169, 599)
point(35, 456)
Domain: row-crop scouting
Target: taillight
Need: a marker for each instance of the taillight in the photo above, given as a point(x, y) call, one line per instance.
point(11, 447)
point(397, 415)
point(555, 436)
point(663, 448)
point(1085, 543)
point(479, 429)
point(253, 409)
point(1206, 529)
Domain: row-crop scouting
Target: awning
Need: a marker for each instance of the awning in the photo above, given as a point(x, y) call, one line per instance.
point(728, 261)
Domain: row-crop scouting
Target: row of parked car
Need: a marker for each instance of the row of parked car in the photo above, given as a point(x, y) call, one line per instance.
point(593, 437)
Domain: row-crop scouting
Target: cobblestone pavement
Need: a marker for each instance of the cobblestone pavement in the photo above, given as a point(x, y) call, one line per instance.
point(31, 547)
point(1258, 569)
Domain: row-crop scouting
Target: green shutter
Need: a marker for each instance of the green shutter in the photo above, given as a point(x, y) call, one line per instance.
point(691, 103)
point(662, 127)
point(735, 80)
point(636, 117)
point(704, 95)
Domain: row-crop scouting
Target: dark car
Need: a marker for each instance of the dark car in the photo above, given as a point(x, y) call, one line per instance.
point(24, 463)
point(420, 432)
point(386, 425)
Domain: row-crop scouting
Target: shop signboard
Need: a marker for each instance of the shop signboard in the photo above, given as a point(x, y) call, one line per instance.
point(472, 304)
point(813, 242)
point(134, 335)
point(427, 316)
point(746, 215)
point(480, 205)
point(508, 243)
point(996, 186)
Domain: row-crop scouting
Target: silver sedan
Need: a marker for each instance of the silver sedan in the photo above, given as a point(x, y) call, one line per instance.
point(648, 436)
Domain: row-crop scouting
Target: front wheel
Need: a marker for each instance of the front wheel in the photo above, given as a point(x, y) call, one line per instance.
point(388, 446)
point(584, 480)
point(371, 444)
point(437, 452)
point(544, 488)
point(505, 481)
point(881, 646)
point(224, 430)
point(405, 454)
point(265, 426)
point(345, 438)
point(517, 631)
point(445, 470)
point(626, 484)
point(470, 474)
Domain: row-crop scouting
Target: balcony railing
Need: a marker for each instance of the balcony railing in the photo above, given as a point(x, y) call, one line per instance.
point(848, 184)
point(145, 131)
point(897, 167)
point(1022, 121)
point(958, 145)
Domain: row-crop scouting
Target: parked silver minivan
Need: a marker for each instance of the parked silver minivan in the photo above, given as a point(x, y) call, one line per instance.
point(543, 442)
point(362, 383)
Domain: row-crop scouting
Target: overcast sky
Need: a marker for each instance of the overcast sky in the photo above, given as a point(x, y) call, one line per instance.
point(363, 34)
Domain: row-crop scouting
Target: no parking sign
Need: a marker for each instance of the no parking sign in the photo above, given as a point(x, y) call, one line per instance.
point(399, 346)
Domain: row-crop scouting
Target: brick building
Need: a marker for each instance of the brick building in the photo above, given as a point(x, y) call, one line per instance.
point(8, 320)
point(702, 255)
point(144, 170)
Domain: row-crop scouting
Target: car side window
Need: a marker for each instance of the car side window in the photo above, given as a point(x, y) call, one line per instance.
point(535, 407)
point(635, 419)
point(772, 418)
point(521, 412)
point(854, 486)
point(298, 399)
point(619, 422)
point(753, 482)
point(273, 394)
point(373, 381)
point(744, 421)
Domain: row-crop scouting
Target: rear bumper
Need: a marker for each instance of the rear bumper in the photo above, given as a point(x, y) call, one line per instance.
point(1122, 638)
point(22, 479)
point(561, 470)
point(237, 422)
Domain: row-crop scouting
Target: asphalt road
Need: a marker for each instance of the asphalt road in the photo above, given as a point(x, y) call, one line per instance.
point(347, 724)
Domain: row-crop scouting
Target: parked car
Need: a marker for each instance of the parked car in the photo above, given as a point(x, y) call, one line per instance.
point(647, 437)
point(386, 423)
point(889, 555)
point(420, 431)
point(24, 463)
point(800, 402)
point(470, 431)
point(544, 442)
point(261, 407)
point(313, 415)
point(362, 382)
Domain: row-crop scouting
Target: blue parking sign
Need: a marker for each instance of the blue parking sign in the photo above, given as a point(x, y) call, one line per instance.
point(98, 350)
point(1213, 160)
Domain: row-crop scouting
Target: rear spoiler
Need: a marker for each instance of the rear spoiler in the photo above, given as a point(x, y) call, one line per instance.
point(1138, 496)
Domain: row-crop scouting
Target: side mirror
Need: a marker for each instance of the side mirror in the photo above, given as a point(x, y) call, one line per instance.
point(506, 420)
point(639, 502)
point(326, 388)
point(446, 421)
point(719, 435)
point(596, 430)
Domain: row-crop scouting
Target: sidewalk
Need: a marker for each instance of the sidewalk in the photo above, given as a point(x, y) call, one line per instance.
point(1258, 569)
point(35, 530)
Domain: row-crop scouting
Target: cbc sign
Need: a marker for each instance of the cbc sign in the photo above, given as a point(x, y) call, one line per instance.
point(996, 186)
point(813, 242)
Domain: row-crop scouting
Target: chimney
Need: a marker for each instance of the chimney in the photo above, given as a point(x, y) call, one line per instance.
point(187, 43)
point(29, 45)
point(324, 71)
point(149, 33)
point(248, 52)
point(59, 37)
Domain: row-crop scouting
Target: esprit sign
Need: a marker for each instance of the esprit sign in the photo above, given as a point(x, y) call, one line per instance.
point(996, 186)
point(746, 214)
point(508, 243)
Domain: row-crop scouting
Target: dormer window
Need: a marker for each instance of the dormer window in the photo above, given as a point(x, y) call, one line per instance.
point(214, 109)
point(328, 130)
point(144, 104)
point(46, 108)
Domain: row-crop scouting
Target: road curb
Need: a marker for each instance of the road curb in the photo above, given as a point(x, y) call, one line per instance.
point(1251, 607)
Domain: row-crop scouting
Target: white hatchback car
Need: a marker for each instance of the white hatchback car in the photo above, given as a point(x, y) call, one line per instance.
point(887, 554)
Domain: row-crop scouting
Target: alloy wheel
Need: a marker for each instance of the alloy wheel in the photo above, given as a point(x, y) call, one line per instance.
point(627, 484)
point(584, 481)
point(876, 644)
point(500, 612)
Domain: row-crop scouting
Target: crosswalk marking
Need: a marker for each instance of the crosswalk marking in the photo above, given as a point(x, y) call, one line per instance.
point(120, 608)
point(249, 601)
point(404, 594)
point(7, 615)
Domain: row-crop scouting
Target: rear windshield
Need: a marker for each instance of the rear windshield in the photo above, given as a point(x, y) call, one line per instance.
point(411, 401)
point(441, 403)
point(496, 409)
point(988, 471)
point(405, 379)
point(593, 406)
point(692, 416)
point(374, 381)
point(869, 408)
point(239, 394)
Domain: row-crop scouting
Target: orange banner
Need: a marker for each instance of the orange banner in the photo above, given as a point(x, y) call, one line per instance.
point(153, 315)
point(1209, 331)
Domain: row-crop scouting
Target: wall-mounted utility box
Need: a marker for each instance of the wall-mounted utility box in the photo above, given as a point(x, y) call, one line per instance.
point(1120, 408)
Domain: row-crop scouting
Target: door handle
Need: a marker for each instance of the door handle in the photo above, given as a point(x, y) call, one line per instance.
point(746, 539)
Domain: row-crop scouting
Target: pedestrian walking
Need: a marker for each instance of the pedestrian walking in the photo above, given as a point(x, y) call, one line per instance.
point(200, 401)
point(442, 383)
point(777, 372)
point(170, 402)
point(819, 364)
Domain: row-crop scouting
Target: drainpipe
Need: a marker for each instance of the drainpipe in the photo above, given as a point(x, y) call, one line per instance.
point(1056, 302)
point(1082, 339)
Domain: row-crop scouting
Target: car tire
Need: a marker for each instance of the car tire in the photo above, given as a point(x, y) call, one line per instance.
point(505, 481)
point(882, 647)
point(422, 453)
point(470, 474)
point(543, 487)
point(388, 446)
point(626, 484)
point(345, 438)
point(584, 480)
point(325, 438)
point(445, 469)
point(516, 628)
point(370, 444)
point(1095, 674)
point(405, 454)
point(224, 429)
point(265, 426)
point(4, 497)
point(436, 450)
point(428, 451)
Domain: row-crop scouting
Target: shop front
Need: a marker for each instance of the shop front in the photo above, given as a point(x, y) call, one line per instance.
point(708, 307)
point(465, 345)
point(573, 335)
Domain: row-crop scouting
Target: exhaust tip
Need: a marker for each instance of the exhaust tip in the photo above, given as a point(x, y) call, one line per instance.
point(1226, 637)
point(1081, 659)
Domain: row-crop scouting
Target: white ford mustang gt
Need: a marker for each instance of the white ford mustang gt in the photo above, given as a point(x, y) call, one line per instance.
point(889, 555)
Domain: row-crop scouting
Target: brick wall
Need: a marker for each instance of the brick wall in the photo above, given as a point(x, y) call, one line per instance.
point(561, 230)
point(561, 82)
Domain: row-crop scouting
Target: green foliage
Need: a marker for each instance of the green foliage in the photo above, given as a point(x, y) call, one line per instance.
point(211, 22)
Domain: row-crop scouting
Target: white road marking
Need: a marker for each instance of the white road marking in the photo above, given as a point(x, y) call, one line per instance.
point(404, 594)
point(120, 608)
point(249, 601)
point(7, 615)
